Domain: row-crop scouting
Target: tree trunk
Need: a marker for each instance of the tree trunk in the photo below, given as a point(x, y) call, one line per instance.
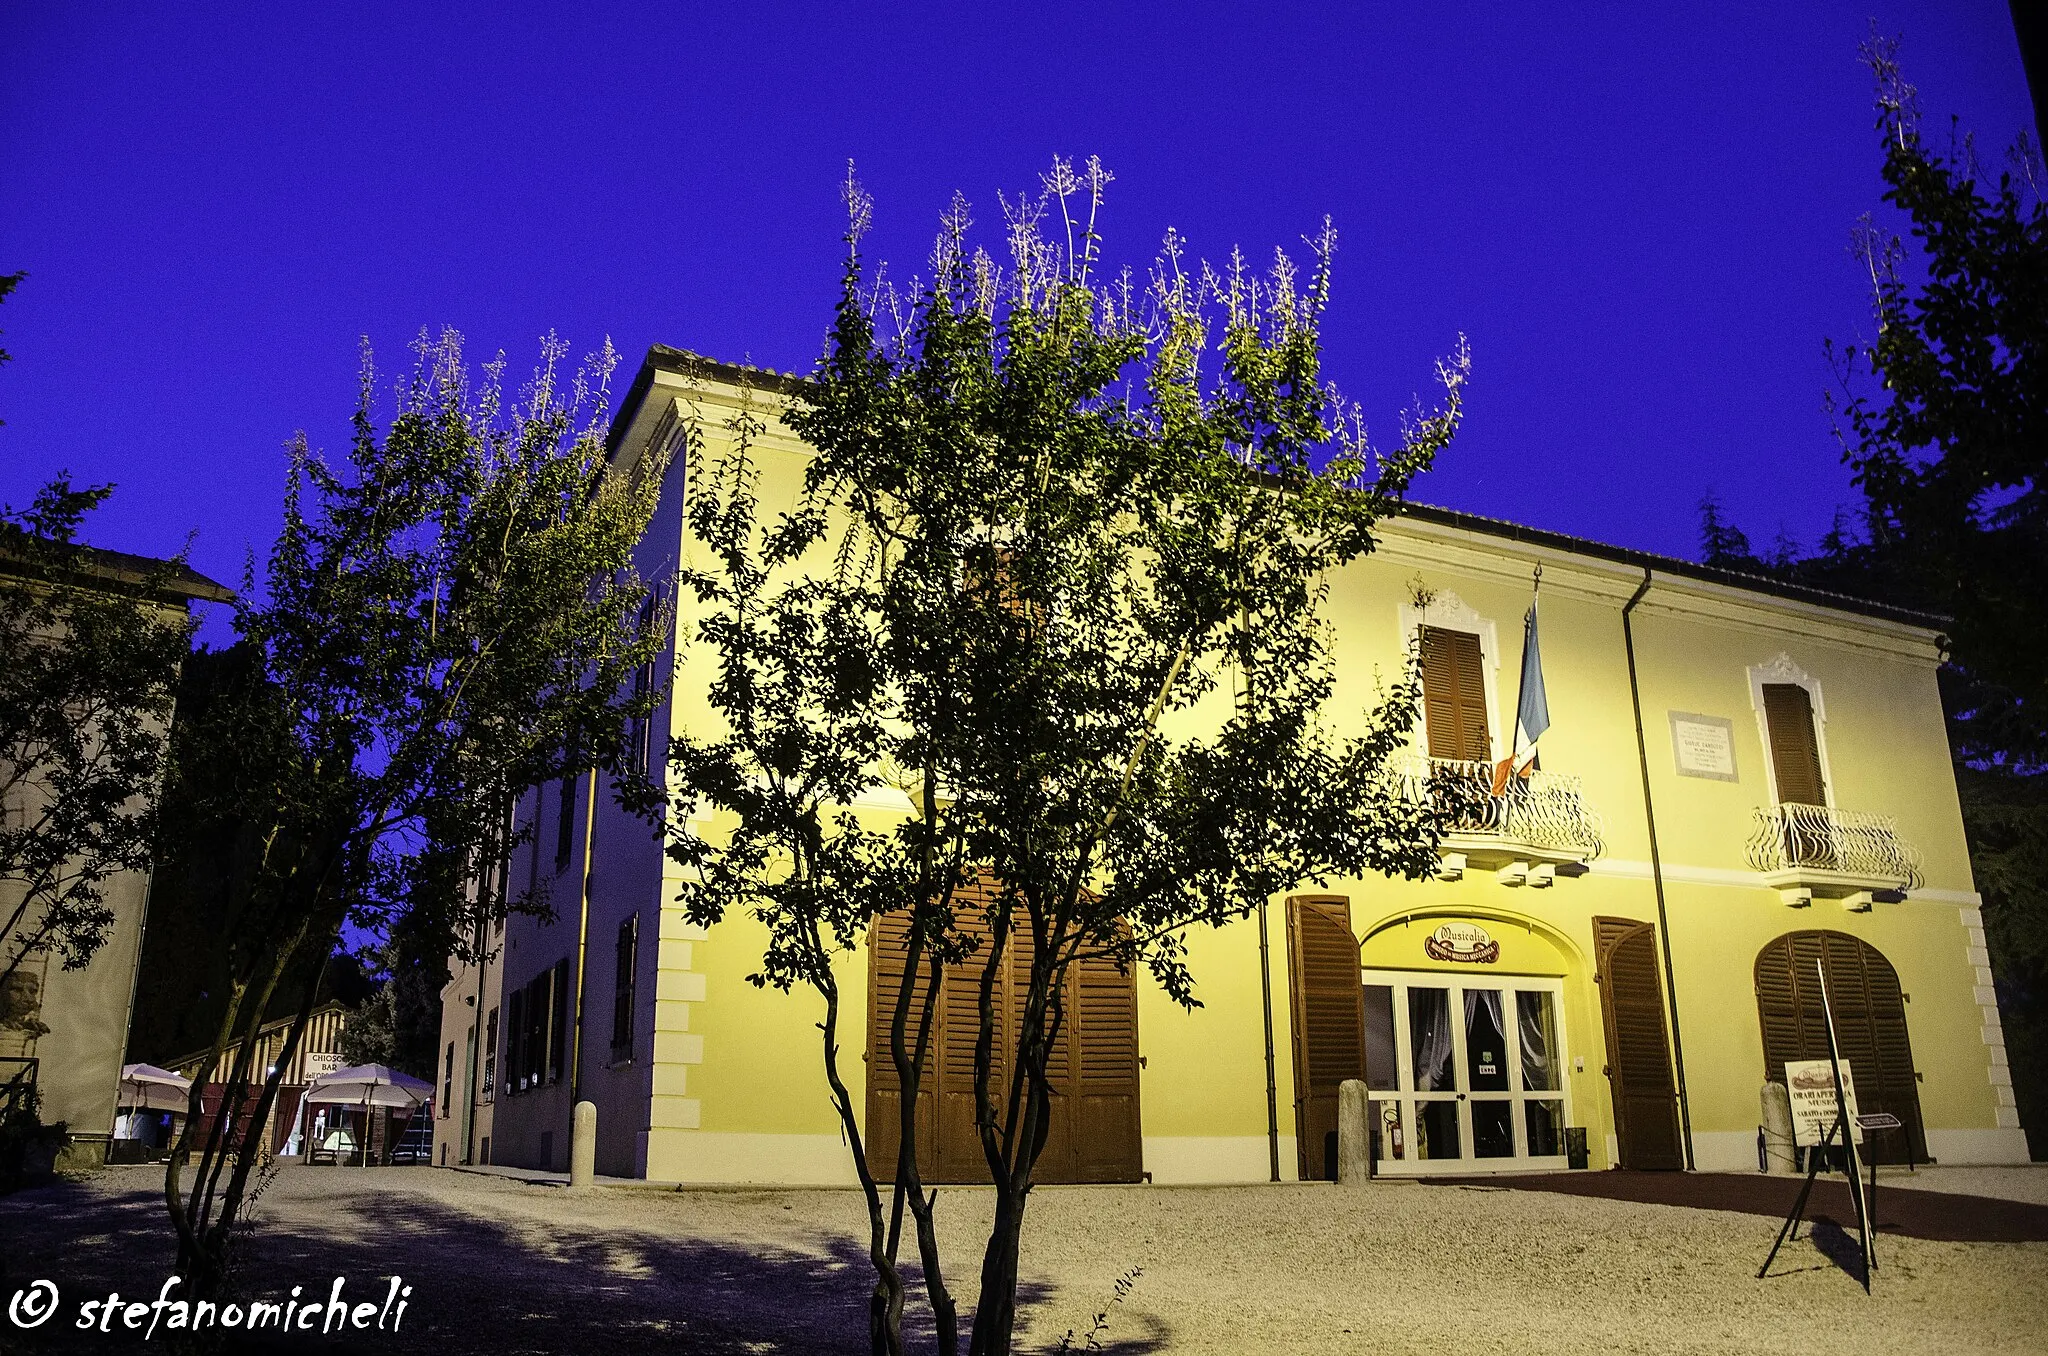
point(885, 1303)
point(909, 1177)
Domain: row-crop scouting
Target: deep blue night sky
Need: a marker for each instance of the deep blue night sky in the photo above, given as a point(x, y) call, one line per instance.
point(1639, 218)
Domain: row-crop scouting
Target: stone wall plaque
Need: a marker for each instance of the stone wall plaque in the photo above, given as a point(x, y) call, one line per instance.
point(1703, 746)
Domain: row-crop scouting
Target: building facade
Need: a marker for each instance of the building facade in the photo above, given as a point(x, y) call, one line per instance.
point(466, 1081)
point(66, 1030)
point(1745, 790)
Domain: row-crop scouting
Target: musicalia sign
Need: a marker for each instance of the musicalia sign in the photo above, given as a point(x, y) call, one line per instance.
point(1466, 942)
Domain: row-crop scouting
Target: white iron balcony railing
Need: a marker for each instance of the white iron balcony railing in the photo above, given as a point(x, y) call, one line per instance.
point(1545, 810)
point(1798, 840)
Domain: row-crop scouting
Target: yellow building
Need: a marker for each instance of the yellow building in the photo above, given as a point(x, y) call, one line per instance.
point(1742, 780)
point(64, 1031)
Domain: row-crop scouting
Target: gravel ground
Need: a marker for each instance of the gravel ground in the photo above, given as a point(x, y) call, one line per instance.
point(2023, 1182)
point(504, 1267)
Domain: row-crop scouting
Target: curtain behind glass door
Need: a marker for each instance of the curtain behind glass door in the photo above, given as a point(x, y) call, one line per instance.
point(1539, 1040)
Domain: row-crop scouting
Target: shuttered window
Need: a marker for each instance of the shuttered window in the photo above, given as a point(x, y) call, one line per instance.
point(1092, 1068)
point(1870, 1026)
point(1638, 1055)
point(1795, 749)
point(558, 1034)
point(1454, 695)
point(628, 962)
point(1329, 1022)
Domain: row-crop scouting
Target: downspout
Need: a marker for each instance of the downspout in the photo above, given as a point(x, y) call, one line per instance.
point(476, 1047)
point(582, 950)
point(1272, 1084)
point(1635, 697)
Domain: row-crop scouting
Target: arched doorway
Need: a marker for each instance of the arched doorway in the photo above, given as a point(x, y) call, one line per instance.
point(1870, 1026)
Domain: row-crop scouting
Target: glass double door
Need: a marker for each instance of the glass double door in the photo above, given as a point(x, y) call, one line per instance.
point(1464, 1075)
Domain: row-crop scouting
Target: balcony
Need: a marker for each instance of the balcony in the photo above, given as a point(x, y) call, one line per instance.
point(1540, 828)
point(1811, 851)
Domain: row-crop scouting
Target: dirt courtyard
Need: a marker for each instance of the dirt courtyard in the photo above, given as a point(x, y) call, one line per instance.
point(502, 1266)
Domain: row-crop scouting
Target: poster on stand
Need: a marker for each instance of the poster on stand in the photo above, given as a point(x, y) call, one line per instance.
point(1811, 1085)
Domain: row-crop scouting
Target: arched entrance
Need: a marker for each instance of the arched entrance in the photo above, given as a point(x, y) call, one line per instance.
point(1464, 1041)
point(1870, 1026)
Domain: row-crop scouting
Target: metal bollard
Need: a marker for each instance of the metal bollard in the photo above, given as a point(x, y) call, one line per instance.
point(1354, 1149)
point(583, 1146)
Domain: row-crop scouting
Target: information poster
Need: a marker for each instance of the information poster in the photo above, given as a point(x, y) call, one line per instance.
point(1811, 1083)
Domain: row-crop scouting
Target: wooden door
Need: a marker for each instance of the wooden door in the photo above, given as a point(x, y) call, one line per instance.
point(1870, 1026)
point(1638, 1050)
point(1328, 1025)
point(1094, 1132)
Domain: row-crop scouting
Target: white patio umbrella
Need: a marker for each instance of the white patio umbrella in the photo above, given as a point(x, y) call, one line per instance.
point(368, 1085)
point(148, 1088)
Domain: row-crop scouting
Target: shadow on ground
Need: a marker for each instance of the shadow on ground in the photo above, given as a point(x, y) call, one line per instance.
point(1942, 1216)
point(478, 1285)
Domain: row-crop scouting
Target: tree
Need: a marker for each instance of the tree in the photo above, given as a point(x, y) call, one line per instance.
point(89, 657)
point(400, 1023)
point(448, 619)
point(8, 282)
point(1946, 410)
point(1058, 580)
point(1944, 425)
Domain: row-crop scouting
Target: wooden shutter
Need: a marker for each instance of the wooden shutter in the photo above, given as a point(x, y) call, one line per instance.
point(1094, 1134)
point(1329, 1021)
point(558, 1021)
point(888, 949)
point(1454, 695)
point(1870, 1026)
point(1638, 1051)
point(1108, 1143)
point(1795, 750)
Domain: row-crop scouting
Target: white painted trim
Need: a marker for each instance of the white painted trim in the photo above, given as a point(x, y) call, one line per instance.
point(1724, 1150)
point(1410, 541)
point(1954, 1148)
point(1784, 670)
point(1216, 1158)
point(1997, 1067)
point(1738, 878)
point(881, 797)
point(702, 1156)
point(1446, 611)
point(1742, 879)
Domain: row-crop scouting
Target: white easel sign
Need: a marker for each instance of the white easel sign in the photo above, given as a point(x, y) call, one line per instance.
point(1811, 1085)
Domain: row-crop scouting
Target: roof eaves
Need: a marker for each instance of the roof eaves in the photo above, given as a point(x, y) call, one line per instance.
point(663, 358)
point(173, 581)
point(1672, 565)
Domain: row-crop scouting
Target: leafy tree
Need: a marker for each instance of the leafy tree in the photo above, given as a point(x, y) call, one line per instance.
point(1056, 574)
point(89, 655)
point(448, 618)
point(8, 282)
point(1722, 543)
point(1945, 429)
point(1946, 410)
point(400, 1023)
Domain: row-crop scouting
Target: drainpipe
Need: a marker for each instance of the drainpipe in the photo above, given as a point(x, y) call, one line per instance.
point(1272, 1086)
point(1635, 697)
point(582, 951)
